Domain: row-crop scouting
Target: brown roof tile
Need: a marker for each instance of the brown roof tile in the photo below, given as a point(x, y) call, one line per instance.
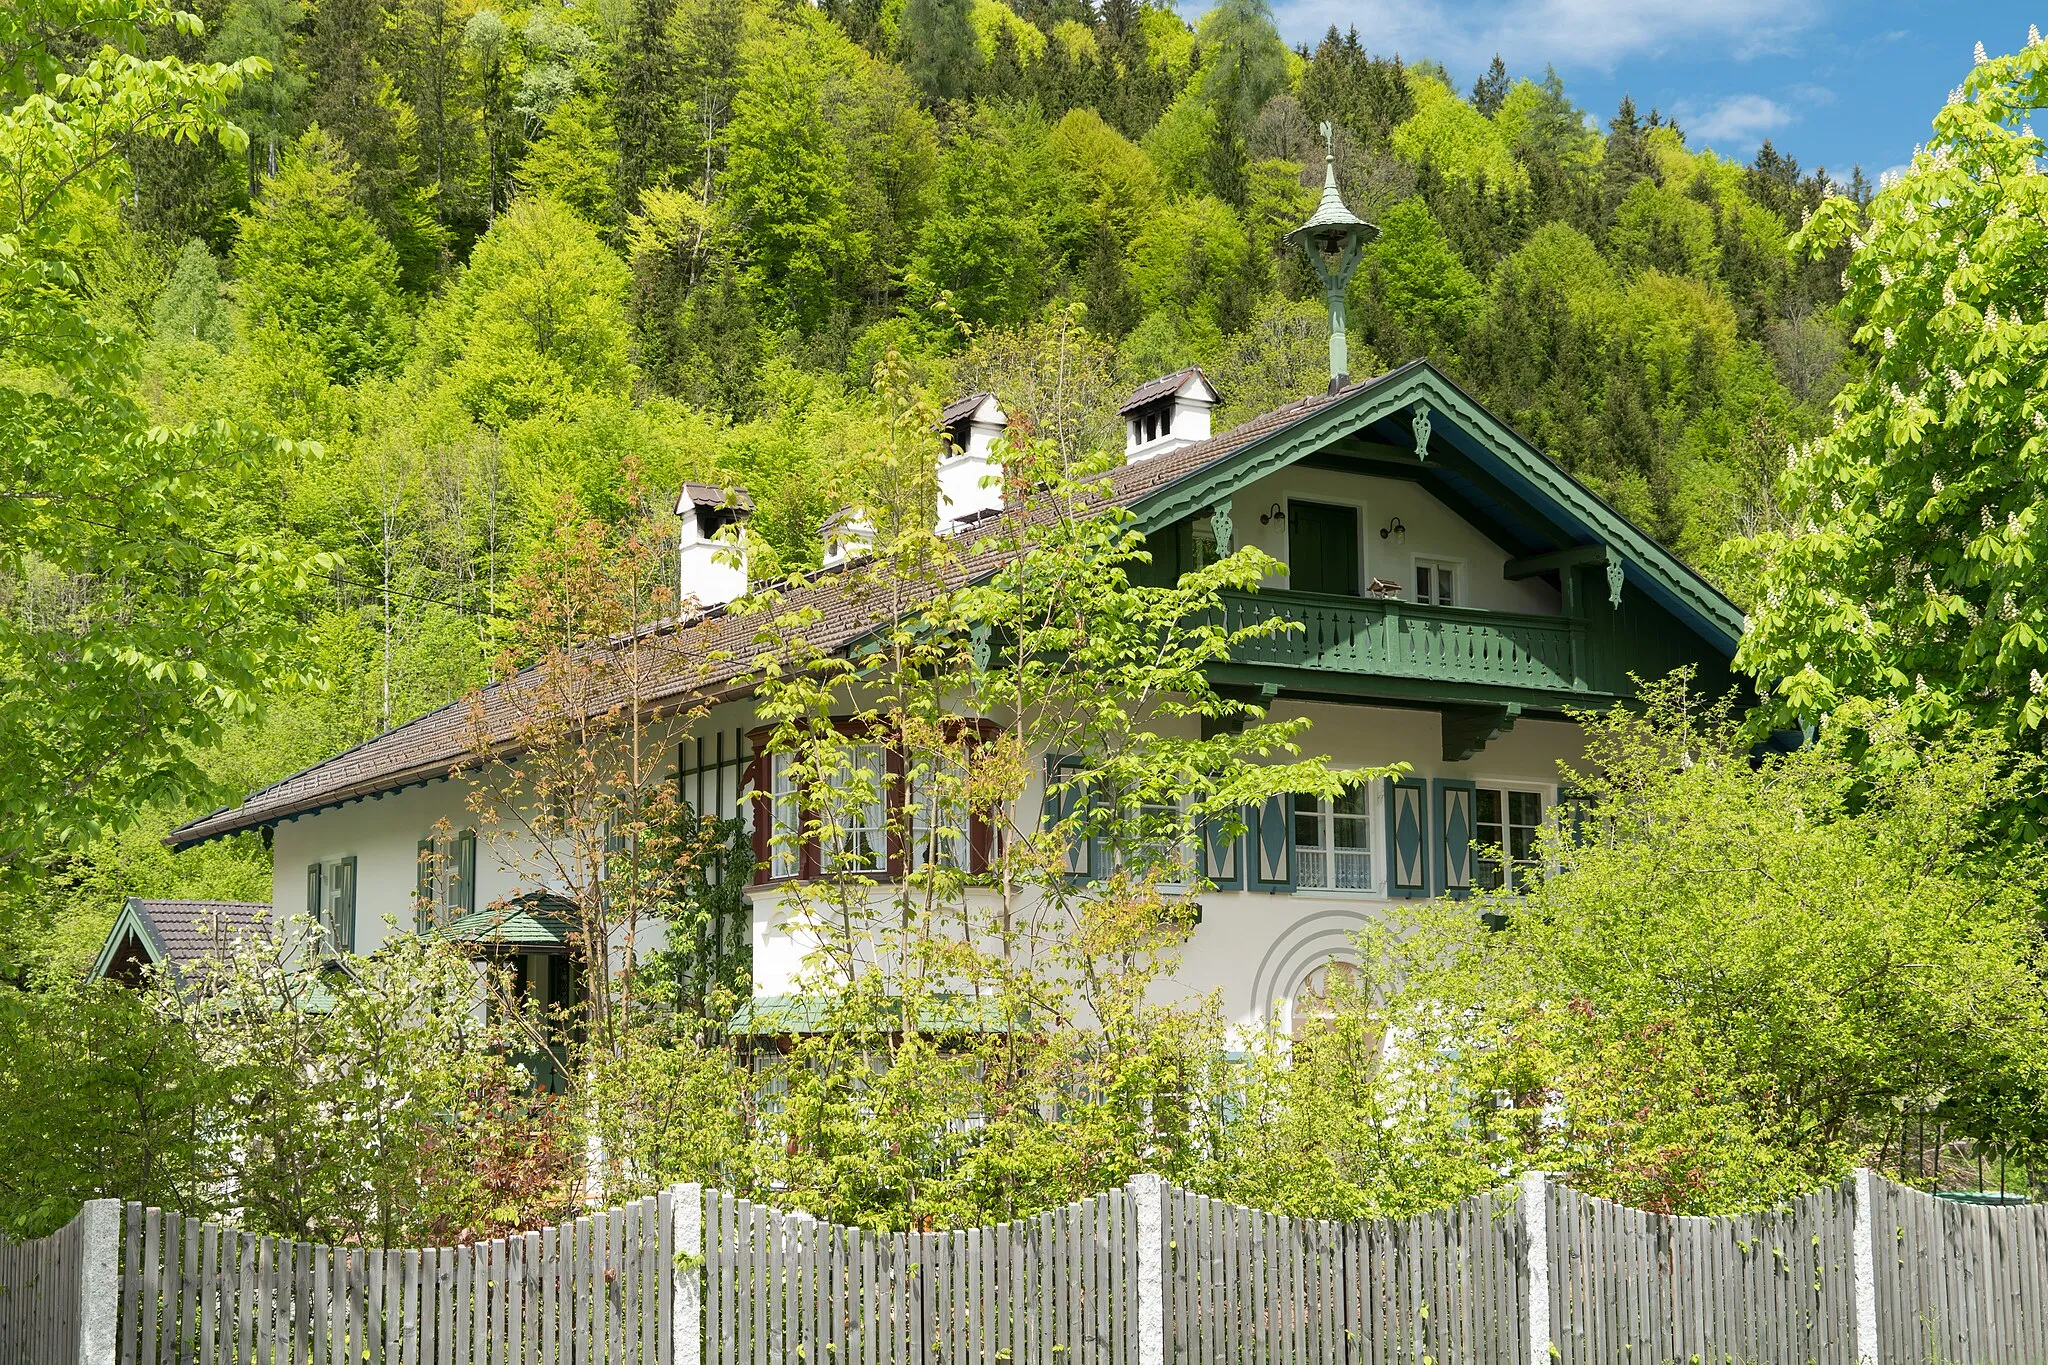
point(697, 658)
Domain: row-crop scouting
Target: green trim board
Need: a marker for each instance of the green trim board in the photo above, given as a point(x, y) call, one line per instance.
point(1469, 429)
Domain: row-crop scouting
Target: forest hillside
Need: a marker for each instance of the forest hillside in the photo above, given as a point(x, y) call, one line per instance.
point(477, 259)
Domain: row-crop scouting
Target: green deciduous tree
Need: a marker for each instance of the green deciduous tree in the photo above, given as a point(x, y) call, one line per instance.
point(1734, 978)
point(537, 319)
point(1912, 568)
point(139, 593)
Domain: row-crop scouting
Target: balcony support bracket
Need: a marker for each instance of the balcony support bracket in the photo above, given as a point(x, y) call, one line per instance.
point(1468, 729)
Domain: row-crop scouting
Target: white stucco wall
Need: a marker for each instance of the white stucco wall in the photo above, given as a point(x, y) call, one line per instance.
point(1434, 531)
point(1254, 946)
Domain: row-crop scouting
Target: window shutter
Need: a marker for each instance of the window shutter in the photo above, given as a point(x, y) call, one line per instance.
point(1272, 844)
point(1222, 851)
point(316, 905)
point(1068, 803)
point(1454, 816)
point(462, 881)
point(423, 888)
point(345, 904)
point(1407, 838)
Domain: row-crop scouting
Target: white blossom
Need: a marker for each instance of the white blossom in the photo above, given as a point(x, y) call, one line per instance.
point(1938, 484)
point(1984, 516)
point(2008, 610)
point(2034, 682)
point(1890, 339)
point(2033, 35)
point(1955, 380)
point(1991, 316)
point(1948, 294)
point(2012, 525)
point(1981, 58)
point(1919, 686)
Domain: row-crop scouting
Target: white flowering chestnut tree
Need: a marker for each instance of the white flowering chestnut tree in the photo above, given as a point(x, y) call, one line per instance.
point(1910, 572)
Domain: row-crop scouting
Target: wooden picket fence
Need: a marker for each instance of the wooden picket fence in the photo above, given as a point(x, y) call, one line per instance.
point(1858, 1273)
point(40, 1293)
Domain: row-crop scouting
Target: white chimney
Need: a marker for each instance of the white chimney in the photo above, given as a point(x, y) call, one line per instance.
point(1167, 413)
point(848, 534)
point(970, 475)
point(713, 557)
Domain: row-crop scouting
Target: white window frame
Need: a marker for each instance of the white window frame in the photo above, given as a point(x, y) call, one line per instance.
point(1436, 564)
point(868, 823)
point(1509, 869)
point(931, 813)
point(785, 818)
point(1326, 816)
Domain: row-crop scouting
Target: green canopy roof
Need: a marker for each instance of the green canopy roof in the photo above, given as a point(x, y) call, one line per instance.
point(771, 1015)
point(542, 920)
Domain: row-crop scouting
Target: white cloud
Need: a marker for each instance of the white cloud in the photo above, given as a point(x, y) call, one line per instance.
point(1735, 123)
point(1572, 33)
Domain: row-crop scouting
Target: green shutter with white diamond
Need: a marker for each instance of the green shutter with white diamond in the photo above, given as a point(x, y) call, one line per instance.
point(1407, 838)
point(1222, 852)
point(1454, 804)
point(1271, 861)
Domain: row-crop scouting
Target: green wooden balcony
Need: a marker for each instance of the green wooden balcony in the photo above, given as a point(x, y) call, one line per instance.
point(1385, 638)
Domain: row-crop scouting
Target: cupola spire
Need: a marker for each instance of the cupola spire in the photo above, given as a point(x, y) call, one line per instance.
point(1334, 237)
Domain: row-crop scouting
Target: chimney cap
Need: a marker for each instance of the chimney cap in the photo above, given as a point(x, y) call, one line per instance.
point(969, 406)
point(711, 495)
point(853, 515)
point(1168, 386)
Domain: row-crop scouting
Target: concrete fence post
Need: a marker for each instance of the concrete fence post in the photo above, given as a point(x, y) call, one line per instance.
point(1863, 1256)
point(1536, 1245)
point(1148, 1201)
point(688, 1301)
point(99, 1280)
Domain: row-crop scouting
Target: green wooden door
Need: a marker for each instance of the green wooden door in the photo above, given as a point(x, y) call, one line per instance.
point(1322, 548)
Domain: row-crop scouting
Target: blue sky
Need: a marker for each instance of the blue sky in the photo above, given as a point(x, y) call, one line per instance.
point(1830, 82)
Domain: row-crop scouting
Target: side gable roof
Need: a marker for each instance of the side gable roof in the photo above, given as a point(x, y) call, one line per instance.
point(716, 648)
point(176, 934)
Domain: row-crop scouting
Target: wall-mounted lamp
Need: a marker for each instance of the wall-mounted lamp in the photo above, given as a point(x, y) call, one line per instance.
point(1394, 531)
point(1272, 514)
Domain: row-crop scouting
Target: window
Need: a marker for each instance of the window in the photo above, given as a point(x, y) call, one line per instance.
point(785, 817)
point(1333, 841)
point(444, 879)
point(861, 842)
point(1436, 583)
point(331, 901)
point(1504, 824)
point(939, 822)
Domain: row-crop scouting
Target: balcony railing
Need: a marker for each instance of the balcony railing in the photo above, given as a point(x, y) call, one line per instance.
point(1386, 637)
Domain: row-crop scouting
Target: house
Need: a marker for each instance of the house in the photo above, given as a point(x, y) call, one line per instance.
point(1457, 595)
point(172, 936)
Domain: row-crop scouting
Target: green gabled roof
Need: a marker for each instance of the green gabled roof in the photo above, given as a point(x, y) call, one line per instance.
point(1381, 411)
point(542, 920)
point(775, 1015)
